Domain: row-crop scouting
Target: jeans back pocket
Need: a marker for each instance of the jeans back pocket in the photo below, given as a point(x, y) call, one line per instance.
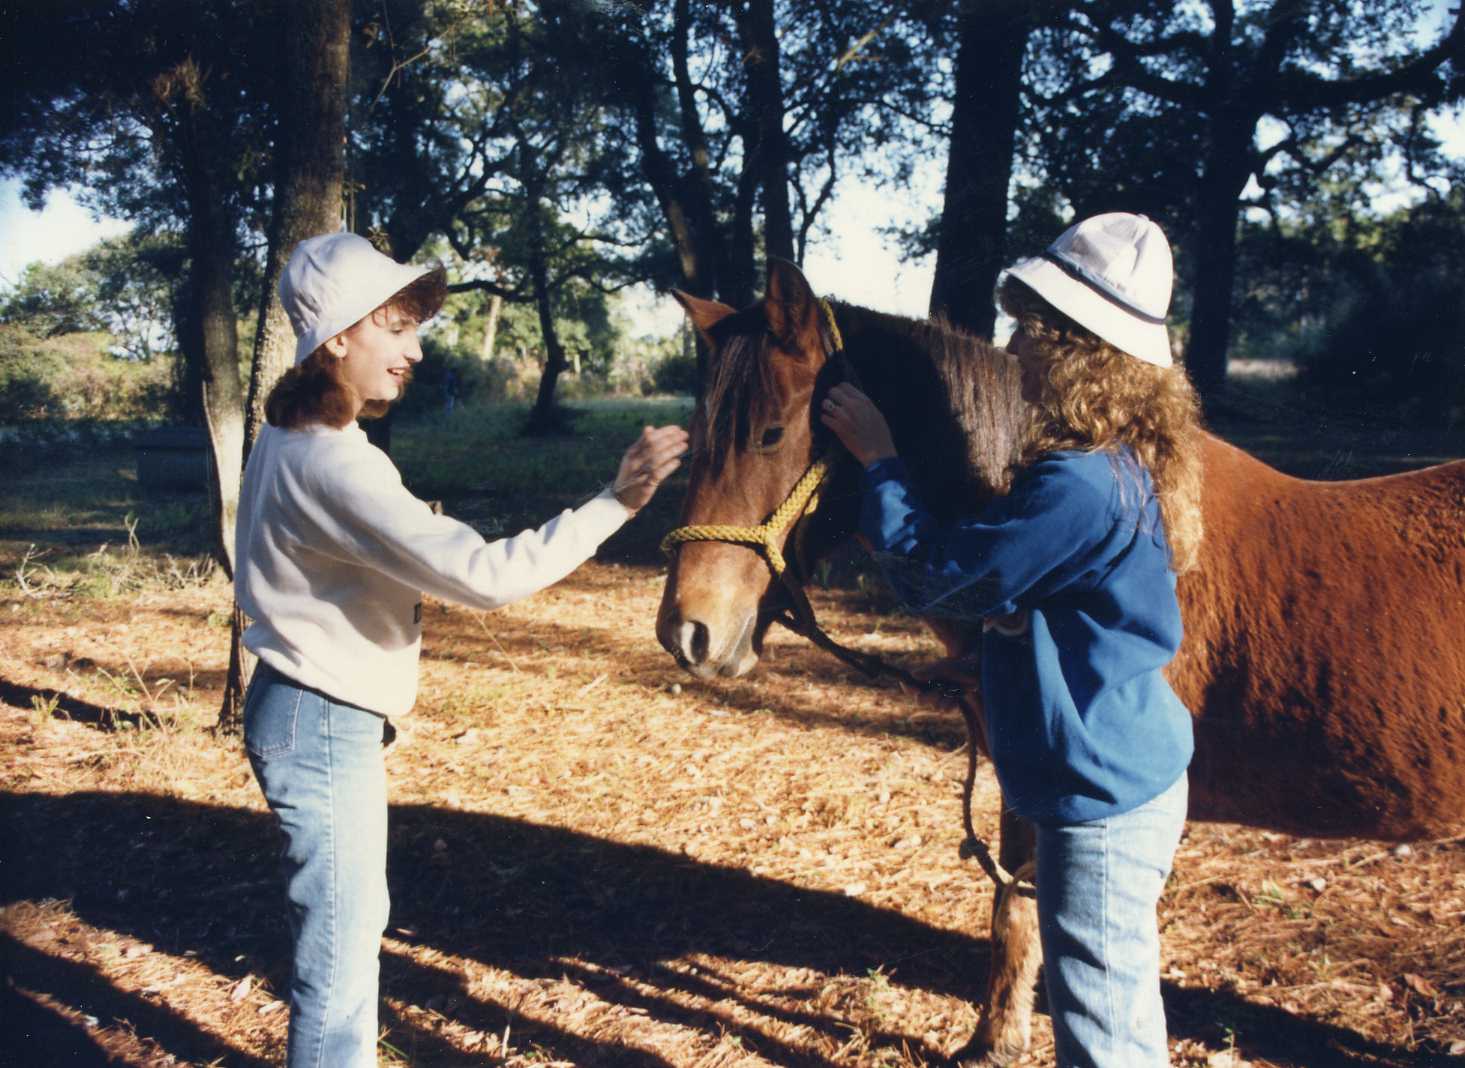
point(271, 713)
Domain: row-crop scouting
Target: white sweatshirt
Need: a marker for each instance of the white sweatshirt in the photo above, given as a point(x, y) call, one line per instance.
point(332, 555)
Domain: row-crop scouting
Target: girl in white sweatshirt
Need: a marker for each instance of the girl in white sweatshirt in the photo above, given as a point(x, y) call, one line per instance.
point(333, 555)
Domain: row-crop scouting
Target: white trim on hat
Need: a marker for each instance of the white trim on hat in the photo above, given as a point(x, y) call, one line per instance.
point(333, 281)
point(1112, 274)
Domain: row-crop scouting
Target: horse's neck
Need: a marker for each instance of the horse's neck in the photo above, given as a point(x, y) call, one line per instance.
point(954, 402)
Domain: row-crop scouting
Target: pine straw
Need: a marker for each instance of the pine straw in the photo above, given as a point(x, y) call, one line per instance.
point(597, 860)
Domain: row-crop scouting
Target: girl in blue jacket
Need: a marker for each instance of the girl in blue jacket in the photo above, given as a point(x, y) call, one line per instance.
point(1073, 575)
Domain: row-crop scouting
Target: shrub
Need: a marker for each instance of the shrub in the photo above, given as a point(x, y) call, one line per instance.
point(1401, 347)
point(675, 374)
point(72, 376)
point(1391, 329)
point(29, 369)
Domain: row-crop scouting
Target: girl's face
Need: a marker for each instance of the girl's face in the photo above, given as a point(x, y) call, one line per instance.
point(378, 353)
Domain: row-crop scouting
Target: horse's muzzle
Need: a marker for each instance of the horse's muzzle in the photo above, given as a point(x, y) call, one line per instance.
point(699, 648)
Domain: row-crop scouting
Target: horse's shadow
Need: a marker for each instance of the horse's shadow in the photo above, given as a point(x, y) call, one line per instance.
point(540, 902)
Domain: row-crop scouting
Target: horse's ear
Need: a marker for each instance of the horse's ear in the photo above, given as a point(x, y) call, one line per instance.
point(705, 314)
point(791, 306)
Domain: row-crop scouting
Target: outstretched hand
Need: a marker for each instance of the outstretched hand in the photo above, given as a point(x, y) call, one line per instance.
point(647, 463)
point(858, 423)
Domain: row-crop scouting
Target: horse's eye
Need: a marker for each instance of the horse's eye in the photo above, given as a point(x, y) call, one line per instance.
point(771, 437)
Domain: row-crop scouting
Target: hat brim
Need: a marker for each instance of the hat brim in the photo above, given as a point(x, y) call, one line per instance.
point(351, 312)
point(1092, 310)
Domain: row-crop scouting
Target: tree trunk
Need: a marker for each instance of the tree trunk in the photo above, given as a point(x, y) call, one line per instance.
point(216, 349)
point(490, 332)
point(307, 202)
point(972, 251)
point(1210, 317)
point(545, 418)
point(739, 273)
point(308, 182)
point(770, 148)
point(1225, 176)
point(223, 405)
point(686, 220)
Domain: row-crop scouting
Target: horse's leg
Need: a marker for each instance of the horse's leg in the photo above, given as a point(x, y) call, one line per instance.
point(1005, 1028)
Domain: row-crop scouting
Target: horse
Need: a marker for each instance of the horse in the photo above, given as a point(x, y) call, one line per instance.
point(1324, 650)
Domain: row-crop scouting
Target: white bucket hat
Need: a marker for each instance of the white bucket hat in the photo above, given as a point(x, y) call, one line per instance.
point(333, 281)
point(1111, 274)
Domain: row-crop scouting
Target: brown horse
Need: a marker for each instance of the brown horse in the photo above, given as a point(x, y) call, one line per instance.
point(1324, 655)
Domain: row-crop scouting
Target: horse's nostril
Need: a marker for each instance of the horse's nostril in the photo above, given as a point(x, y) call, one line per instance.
point(695, 638)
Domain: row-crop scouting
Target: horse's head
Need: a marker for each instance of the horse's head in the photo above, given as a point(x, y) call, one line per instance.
point(753, 441)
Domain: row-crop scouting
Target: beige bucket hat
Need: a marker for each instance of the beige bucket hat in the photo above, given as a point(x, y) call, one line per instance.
point(333, 281)
point(1111, 274)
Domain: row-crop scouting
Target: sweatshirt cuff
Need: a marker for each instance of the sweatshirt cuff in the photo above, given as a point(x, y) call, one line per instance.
point(606, 506)
point(890, 469)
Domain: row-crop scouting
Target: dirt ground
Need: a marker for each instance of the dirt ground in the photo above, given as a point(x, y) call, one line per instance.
point(594, 858)
point(598, 860)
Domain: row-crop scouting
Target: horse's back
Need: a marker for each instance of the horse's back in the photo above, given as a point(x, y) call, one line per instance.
point(1325, 650)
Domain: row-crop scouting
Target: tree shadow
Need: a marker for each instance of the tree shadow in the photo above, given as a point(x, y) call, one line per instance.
point(540, 902)
point(57, 1041)
point(64, 706)
point(34, 1026)
point(1268, 1033)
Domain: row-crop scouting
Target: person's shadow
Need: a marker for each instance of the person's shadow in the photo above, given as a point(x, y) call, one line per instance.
point(539, 902)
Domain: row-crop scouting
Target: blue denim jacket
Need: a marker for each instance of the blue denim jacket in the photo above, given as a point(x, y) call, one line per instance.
point(1070, 573)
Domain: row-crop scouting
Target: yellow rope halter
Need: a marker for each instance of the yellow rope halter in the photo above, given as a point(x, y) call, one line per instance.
point(767, 536)
point(802, 500)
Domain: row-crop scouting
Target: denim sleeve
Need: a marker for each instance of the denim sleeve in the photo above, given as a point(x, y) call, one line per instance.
point(983, 565)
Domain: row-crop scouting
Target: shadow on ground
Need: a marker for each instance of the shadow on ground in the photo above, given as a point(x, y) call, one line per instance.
point(541, 902)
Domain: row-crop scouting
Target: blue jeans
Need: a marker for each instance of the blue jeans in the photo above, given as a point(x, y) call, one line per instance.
point(320, 766)
point(1098, 885)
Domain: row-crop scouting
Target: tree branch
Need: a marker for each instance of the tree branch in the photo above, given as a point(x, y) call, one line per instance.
point(1128, 67)
point(1296, 90)
point(513, 296)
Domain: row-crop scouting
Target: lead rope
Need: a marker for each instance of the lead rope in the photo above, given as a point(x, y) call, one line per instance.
point(803, 501)
point(802, 622)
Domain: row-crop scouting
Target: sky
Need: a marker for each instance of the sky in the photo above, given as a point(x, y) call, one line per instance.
point(854, 262)
point(63, 229)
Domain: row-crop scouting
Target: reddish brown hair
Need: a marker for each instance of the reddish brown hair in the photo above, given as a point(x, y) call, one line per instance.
point(313, 391)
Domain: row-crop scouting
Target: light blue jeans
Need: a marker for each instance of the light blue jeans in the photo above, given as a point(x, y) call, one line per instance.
point(320, 766)
point(1098, 887)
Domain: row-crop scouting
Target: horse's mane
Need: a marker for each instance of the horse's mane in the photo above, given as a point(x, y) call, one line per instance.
point(735, 397)
point(954, 400)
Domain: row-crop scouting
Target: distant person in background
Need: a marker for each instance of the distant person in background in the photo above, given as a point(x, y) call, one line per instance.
point(333, 557)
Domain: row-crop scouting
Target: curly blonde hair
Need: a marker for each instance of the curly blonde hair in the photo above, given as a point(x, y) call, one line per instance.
point(1094, 396)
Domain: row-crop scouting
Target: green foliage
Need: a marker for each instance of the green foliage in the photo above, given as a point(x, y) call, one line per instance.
point(52, 299)
point(1400, 344)
point(447, 368)
point(74, 377)
point(28, 369)
point(126, 285)
point(137, 281)
point(676, 373)
point(1369, 308)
